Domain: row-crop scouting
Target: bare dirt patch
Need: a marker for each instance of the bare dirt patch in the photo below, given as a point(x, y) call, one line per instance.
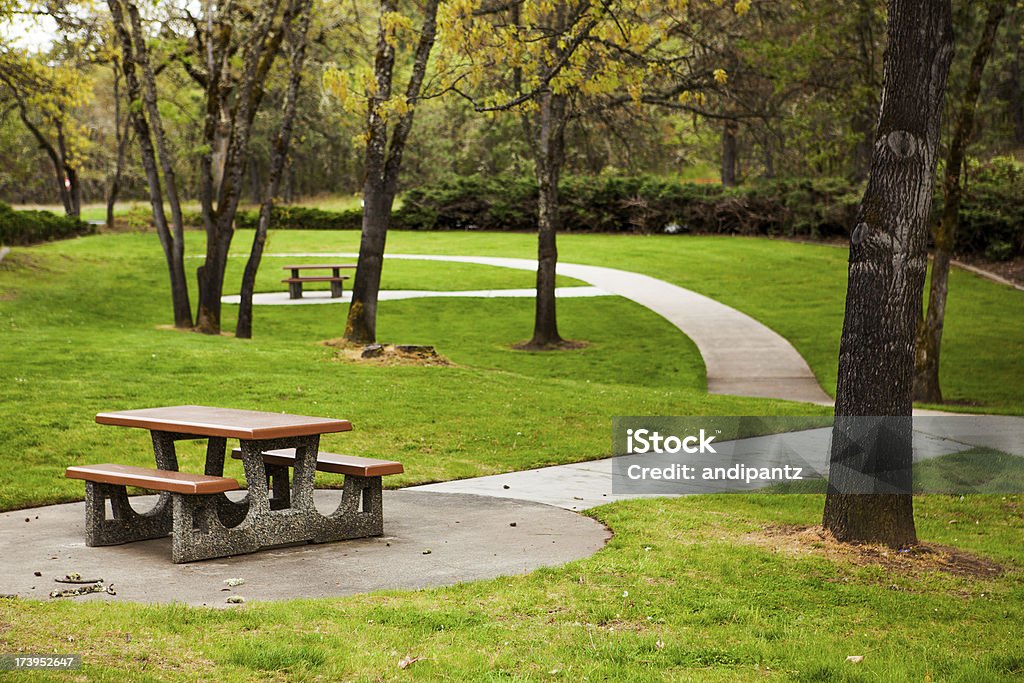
point(919, 559)
point(564, 345)
point(386, 354)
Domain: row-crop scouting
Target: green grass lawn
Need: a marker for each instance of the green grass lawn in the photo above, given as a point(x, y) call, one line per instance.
point(683, 591)
point(686, 590)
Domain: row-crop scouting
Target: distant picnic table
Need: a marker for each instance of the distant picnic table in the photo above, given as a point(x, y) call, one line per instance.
point(335, 278)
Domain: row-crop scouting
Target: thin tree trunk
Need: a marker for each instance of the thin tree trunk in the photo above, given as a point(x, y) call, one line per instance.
point(172, 244)
point(863, 119)
point(114, 189)
point(927, 387)
point(279, 156)
point(383, 166)
point(114, 186)
point(256, 61)
point(730, 153)
point(870, 481)
point(1015, 85)
point(548, 158)
point(72, 183)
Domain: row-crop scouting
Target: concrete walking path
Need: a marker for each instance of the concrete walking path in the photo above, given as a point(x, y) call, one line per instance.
point(319, 296)
point(582, 485)
point(742, 356)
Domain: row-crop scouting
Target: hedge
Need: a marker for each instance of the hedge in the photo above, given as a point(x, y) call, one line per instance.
point(302, 218)
point(645, 204)
point(991, 216)
point(30, 227)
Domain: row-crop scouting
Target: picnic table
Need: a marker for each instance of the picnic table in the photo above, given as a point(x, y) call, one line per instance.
point(335, 278)
point(203, 521)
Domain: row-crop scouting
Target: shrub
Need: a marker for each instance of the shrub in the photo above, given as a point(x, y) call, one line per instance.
point(643, 203)
point(992, 210)
point(30, 227)
point(303, 218)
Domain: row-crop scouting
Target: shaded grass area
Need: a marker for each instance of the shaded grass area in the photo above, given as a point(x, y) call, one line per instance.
point(686, 590)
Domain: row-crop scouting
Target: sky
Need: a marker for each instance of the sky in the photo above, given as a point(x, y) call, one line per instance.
point(30, 33)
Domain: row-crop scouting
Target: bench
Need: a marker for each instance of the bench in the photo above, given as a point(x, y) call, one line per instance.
point(362, 475)
point(110, 481)
point(335, 278)
point(295, 284)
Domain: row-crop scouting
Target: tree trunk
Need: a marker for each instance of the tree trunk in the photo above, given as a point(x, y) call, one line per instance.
point(730, 152)
point(1015, 84)
point(383, 166)
point(549, 155)
point(257, 56)
point(114, 189)
point(173, 244)
point(927, 387)
point(297, 41)
point(888, 259)
point(863, 120)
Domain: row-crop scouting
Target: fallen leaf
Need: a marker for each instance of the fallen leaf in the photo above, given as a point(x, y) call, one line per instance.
point(407, 661)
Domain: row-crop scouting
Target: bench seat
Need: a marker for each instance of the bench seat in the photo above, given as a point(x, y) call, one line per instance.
point(295, 284)
point(332, 462)
point(188, 504)
point(316, 278)
point(148, 478)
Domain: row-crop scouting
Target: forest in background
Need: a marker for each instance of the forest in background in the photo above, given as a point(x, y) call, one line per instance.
point(798, 99)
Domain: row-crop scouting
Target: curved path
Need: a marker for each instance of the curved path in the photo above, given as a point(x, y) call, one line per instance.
point(742, 356)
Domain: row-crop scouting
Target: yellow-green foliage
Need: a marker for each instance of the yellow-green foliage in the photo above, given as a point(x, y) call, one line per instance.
point(623, 49)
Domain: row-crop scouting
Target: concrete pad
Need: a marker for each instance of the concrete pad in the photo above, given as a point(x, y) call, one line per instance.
point(469, 538)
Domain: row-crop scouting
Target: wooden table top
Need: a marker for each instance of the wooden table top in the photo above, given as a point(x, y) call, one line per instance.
point(225, 422)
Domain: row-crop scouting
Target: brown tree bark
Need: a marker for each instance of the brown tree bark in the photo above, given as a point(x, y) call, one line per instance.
point(123, 136)
point(383, 163)
point(887, 266)
point(173, 244)
point(219, 200)
point(730, 152)
point(927, 387)
point(548, 133)
point(297, 40)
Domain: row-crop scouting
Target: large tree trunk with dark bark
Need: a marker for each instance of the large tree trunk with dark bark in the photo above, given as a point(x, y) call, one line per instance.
point(549, 155)
point(383, 161)
point(927, 387)
point(869, 497)
point(361, 325)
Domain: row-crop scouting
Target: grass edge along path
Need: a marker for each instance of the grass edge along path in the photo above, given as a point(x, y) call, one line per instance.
point(696, 588)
